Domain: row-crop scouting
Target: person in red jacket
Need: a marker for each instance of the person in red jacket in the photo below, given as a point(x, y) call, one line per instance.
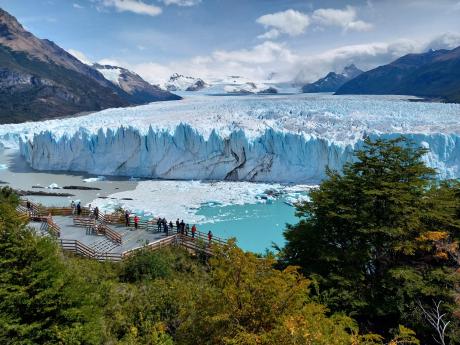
point(193, 231)
point(136, 221)
point(209, 236)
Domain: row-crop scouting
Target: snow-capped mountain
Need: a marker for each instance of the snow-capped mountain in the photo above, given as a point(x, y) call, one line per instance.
point(139, 90)
point(250, 88)
point(241, 85)
point(179, 82)
point(332, 81)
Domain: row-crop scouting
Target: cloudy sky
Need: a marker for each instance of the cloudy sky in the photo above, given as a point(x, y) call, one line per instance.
point(284, 39)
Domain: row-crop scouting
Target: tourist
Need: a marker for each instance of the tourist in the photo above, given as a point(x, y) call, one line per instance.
point(166, 227)
point(193, 231)
point(187, 229)
point(96, 213)
point(182, 227)
point(209, 236)
point(159, 221)
point(127, 218)
point(136, 221)
point(79, 208)
point(171, 225)
point(177, 225)
point(72, 206)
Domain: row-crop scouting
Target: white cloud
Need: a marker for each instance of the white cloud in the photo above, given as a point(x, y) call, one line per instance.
point(258, 62)
point(289, 22)
point(111, 62)
point(368, 56)
point(449, 40)
point(183, 3)
point(77, 6)
point(260, 54)
point(270, 35)
point(294, 23)
point(80, 56)
point(346, 18)
point(135, 6)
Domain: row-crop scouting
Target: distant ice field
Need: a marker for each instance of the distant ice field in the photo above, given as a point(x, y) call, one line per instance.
point(277, 138)
point(338, 118)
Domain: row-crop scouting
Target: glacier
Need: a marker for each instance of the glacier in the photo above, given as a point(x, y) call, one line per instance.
point(279, 138)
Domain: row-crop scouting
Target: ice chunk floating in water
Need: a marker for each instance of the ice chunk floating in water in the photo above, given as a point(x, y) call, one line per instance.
point(277, 138)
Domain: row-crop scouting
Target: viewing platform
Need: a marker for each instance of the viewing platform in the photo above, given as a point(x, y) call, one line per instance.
point(107, 238)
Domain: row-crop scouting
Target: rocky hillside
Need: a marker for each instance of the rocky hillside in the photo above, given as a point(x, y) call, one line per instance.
point(434, 74)
point(39, 80)
point(332, 81)
point(139, 90)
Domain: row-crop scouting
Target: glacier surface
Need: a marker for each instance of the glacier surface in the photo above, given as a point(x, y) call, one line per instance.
point(279, 138)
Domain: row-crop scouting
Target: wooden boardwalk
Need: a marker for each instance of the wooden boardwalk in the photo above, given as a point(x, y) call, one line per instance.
point(39, 213)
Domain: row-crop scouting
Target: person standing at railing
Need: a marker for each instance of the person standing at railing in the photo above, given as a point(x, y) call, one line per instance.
point(127, 218)
point(193, 231)
point(96, 213)
point(209, 236)
point(159, 222)
point(177, 225)
point(187, 229)
point(29, 208)
point(136, 221)
point(171, 225)
point(79, 209)
point(182, 227)
point(72, 206)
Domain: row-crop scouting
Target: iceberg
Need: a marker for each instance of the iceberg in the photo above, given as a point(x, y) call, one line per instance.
point(278, 138)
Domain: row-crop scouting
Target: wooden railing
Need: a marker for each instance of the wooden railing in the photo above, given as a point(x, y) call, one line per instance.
point(53, 228)
point(162, 243)
point(109, 233)
point(178, 239)
point(79, 248)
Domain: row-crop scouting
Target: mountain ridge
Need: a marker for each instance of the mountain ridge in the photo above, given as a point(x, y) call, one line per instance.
point(332, 81)
point(139, 90)
point(39, 80)
point(434, 74)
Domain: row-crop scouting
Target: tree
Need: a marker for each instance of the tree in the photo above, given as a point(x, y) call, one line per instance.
point(41, 302)
point(247, 301)
point(366, 237)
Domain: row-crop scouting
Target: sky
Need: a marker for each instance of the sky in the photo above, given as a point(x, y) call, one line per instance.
point(281, 40)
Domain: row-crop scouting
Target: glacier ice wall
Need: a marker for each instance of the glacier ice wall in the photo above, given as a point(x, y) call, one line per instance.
point(276, 156)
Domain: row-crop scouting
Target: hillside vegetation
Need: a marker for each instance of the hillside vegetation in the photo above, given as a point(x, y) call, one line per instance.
point(374, 245)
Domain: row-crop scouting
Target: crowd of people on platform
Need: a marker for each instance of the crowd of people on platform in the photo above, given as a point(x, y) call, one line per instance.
point(162, 223)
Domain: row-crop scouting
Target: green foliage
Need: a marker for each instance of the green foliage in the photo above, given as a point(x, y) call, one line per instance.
point(41, 302)
point(370, 238)
point(247, 301)
point(157, 298)
point(145, 265)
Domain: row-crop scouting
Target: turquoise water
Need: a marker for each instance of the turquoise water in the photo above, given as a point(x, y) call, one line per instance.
point(255, 226)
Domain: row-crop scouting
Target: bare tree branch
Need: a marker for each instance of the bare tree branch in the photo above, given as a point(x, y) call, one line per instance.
point(436, 320)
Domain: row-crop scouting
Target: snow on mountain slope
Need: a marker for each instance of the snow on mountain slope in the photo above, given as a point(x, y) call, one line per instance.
point(179, 82)
point(112, 73)
point(271, 138)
